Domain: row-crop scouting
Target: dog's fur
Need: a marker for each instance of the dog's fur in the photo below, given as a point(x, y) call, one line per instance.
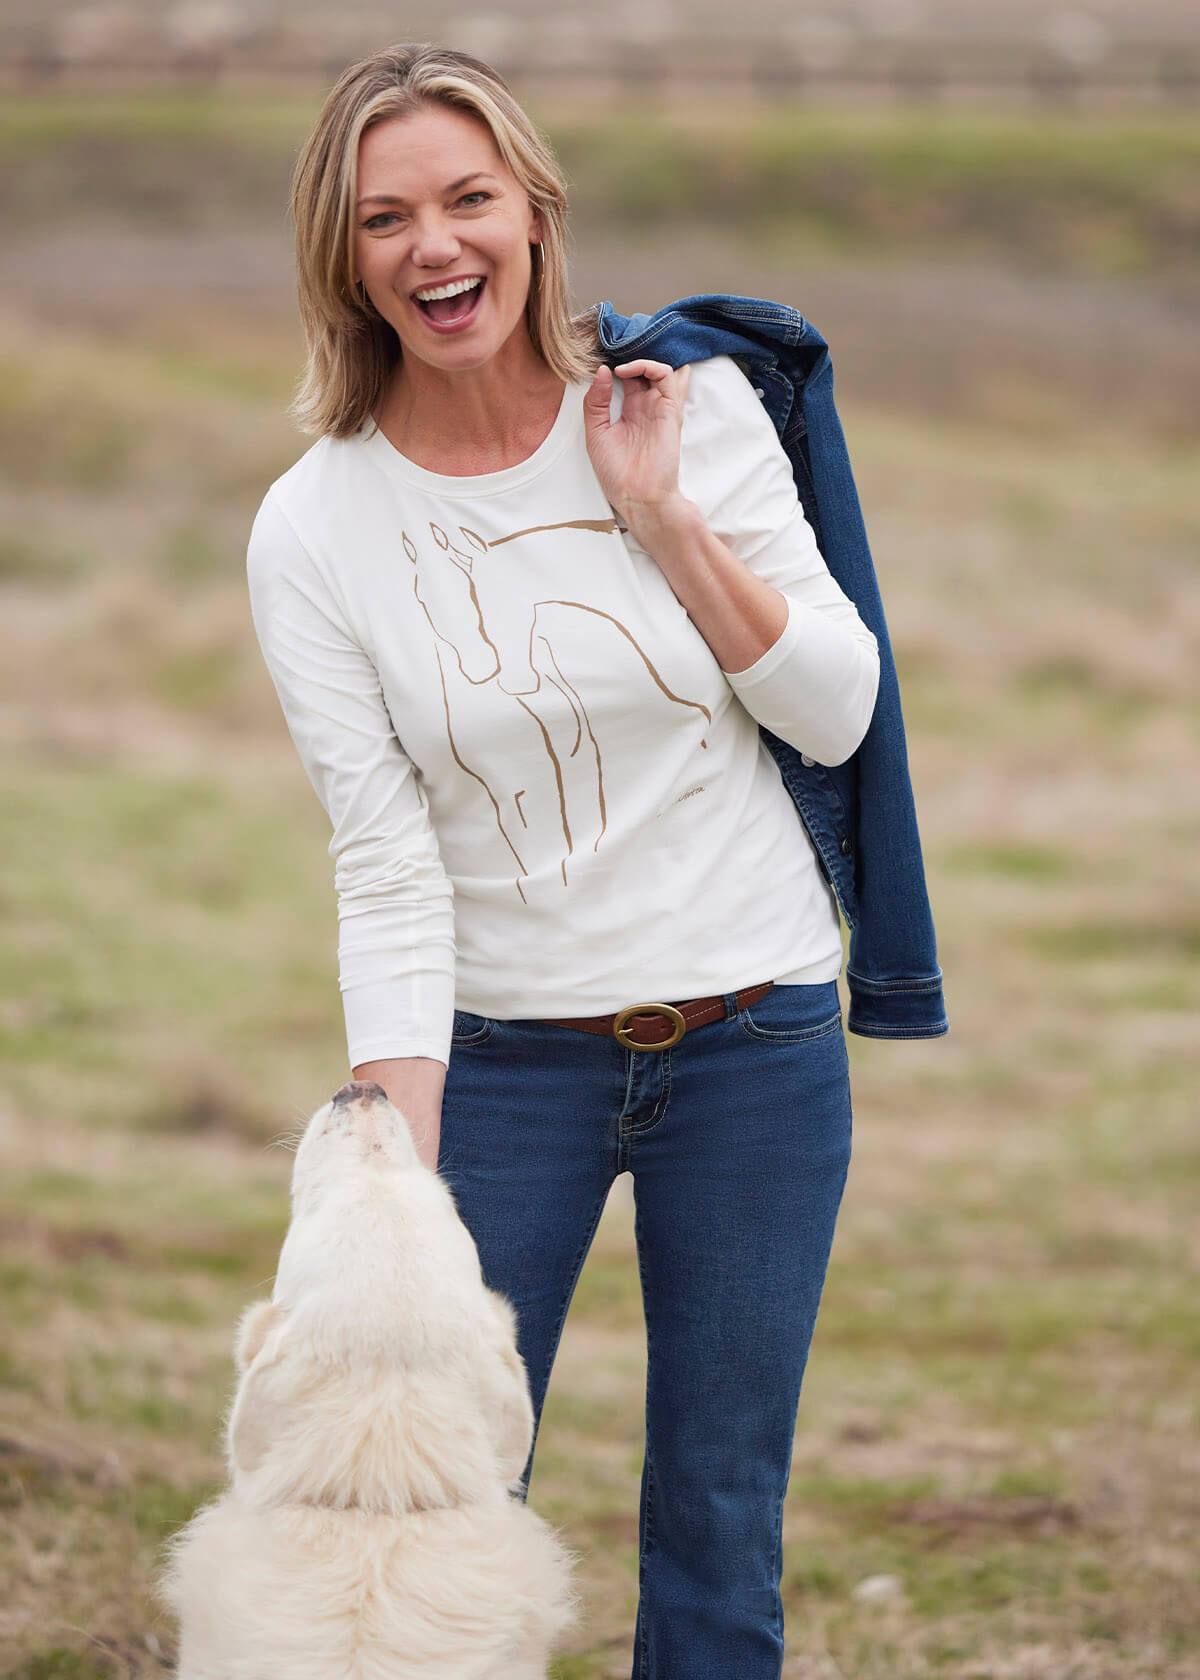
point(371, 1529)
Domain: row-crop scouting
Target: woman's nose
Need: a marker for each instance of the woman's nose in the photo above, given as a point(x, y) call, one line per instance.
point(434, 245)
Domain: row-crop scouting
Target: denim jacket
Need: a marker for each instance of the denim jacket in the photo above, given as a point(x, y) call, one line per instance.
point(860, 814)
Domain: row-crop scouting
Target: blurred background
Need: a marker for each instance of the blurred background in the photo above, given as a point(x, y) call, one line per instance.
point(992, 216)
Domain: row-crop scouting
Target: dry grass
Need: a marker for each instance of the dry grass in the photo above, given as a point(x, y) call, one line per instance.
point(1000, 1414)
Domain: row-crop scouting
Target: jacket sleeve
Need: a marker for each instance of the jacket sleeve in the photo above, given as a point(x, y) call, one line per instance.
point(395, 902)
point(815, 686)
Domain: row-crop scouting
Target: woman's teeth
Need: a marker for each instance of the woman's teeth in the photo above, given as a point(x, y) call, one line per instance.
point(431, 294)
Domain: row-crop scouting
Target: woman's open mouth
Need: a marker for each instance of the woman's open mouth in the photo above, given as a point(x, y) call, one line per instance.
point(451, 307)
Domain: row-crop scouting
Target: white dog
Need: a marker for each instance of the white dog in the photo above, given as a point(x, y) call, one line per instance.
point(372, 1529)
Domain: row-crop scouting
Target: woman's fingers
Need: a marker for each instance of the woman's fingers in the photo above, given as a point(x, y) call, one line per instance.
point(644, 370)
point(597, 397)
point(654, 381)
point(637, 458)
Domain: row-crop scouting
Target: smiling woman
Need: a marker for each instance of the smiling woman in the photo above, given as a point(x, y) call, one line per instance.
point(417, 150)
point(529, 610)
point(444, 244)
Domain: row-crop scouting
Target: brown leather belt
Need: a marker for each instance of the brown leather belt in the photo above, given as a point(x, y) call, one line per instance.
point(658, 1026)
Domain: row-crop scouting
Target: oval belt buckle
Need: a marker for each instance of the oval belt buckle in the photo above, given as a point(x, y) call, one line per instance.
point(678, 1025)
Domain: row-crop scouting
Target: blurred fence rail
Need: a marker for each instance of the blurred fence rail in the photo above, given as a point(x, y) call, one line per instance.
point(672, 74)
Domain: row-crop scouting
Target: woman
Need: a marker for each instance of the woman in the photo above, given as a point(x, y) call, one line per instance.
point(525, 614)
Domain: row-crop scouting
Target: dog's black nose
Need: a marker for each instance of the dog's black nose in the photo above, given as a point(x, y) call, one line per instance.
point(353, 1089)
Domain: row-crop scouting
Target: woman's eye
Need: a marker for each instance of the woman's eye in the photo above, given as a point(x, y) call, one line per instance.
point(471, 199)
point(373, 223)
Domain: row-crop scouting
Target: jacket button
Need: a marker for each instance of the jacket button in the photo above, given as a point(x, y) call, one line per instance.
point(806, 761)
point(759, 392)
point(846, 847)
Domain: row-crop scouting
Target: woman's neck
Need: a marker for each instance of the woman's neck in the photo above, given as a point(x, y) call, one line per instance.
point(477, 420)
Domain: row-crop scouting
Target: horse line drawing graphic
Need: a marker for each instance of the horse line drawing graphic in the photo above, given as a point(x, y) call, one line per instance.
point(482, 644)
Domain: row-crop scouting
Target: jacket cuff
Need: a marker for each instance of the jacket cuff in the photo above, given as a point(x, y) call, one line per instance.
point(910, 1007)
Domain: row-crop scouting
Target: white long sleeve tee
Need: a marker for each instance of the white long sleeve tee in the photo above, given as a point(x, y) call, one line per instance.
point(547, 798)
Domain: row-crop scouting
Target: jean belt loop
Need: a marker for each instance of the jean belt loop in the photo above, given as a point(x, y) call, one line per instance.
point(731, 1007)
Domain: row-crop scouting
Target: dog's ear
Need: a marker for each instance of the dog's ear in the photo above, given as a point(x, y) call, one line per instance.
point(259, 1408)
point(252, 1331)
point(505, 1386)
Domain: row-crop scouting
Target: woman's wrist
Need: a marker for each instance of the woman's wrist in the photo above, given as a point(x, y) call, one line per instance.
point(664, 523)
point(414, 1085)
point(739, 614)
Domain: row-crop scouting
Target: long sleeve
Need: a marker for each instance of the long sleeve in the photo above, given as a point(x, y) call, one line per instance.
point(815, 687)
point(396, 952)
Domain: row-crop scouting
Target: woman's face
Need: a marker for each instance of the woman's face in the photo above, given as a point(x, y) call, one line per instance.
point(437, 206)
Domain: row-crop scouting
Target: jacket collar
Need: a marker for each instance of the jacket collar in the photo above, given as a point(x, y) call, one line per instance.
point(775, 346)
point(753, 325)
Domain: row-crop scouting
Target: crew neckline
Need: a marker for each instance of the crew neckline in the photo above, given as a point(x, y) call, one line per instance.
point(568, 422)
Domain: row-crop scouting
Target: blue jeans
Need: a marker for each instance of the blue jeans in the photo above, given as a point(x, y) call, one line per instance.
point(738, 1140)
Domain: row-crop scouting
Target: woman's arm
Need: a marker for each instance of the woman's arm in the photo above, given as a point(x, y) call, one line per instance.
point(810, 678)
point(414, 1085)
point(706, 489)
point(739, 615)
point(395, 902)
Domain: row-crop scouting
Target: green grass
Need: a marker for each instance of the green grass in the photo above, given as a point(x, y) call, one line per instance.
point(1094, 196)
point(1096, 941)
point(84, 417)
point(1021, 862)
point(26, 558)
point(1092, 193)
point(137, 927)
point(62, 1664)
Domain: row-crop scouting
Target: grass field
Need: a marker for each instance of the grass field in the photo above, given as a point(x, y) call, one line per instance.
point(1111, 196)
point(1000, 1417)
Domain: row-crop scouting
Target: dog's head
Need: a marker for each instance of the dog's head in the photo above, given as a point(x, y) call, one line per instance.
point(357, 1130)
point(383, 1373)
point(375, 1255)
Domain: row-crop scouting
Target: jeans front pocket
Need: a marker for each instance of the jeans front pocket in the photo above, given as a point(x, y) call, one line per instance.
point(791, 1014)
point(470, 1029)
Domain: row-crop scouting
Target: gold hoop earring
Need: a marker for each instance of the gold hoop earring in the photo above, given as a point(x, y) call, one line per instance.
point(541, 265)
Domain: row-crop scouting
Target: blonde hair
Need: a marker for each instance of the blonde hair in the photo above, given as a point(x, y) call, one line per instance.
point(351, 348)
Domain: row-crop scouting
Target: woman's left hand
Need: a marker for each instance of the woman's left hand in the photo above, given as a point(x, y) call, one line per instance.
point(636, 458)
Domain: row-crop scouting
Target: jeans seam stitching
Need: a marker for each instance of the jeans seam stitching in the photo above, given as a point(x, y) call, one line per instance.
point(644, 1655)
point(779, 1563)
point(647, 1545)
point(565, 1305)
point(660, 1107)
point(577, 1267)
